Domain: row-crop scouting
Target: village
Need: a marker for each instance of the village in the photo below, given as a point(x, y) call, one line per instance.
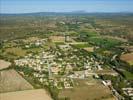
point(63, 64)
point(66, 49)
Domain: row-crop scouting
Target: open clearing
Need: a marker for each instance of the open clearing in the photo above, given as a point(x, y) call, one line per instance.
point(4, 64)
point(17, 51)
point(83, 45)
point(79, 44)
point(106, 72)
point(38, 94)
point(117, 38)
point(57, 38)
point(89, 49)
point(11, 81)
point(127, 58)
point(30, 39)
point(87, 92)
point(128, 75)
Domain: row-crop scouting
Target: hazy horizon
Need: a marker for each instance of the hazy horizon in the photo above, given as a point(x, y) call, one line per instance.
point(32, 6)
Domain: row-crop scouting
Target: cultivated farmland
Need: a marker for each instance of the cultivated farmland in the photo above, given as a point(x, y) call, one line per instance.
point(4, 64)
point(10, 81)
point(38, 94)
point(86, 91)
point(127, 58)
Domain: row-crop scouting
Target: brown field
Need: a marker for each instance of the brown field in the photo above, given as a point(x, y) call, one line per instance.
point(4, 64)
point(57, 38)
point(38, 94)
point(106, 72)
point(127, 58)
point(87, 92)
point(89, 49)
point(11, 81)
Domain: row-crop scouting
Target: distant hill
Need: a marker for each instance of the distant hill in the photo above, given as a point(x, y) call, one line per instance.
point(74, 13)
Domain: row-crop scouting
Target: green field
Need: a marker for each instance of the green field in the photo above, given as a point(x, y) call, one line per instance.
point(128, 75)
point(81, 45)
point(104, 42)
point(59, 43)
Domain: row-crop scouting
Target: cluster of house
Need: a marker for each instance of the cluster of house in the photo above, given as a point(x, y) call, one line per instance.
point(38, 62)
point(49, 58)
point(63, 83)
point(82, 74)
point(36, 43)
point(89, 60)
point(51, 63)
point(128, 92)
point(65, 47)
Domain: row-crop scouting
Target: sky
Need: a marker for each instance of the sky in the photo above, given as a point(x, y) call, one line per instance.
point(29, 6)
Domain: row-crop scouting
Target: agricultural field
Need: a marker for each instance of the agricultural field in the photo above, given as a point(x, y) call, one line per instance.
point(89, 49)
point(30, 39)
point(104, 42)
point(80, 44)
point(86, 91)
point(128, 75)
point(83, 45)
point(13, 52)
point(34, 50)
point(38, 94)
point(57, 38)
point(16, 51)
point(59, 43)
point(11, 81)
point(4, 64)
point(127, 58)
point(106, 72)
